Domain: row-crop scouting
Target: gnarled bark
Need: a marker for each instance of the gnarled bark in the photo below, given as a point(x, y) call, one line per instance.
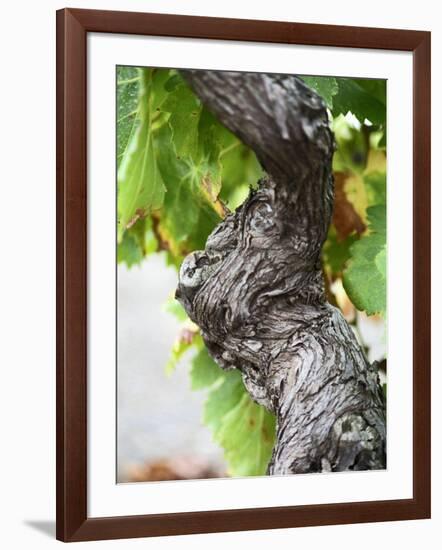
point(257, 291)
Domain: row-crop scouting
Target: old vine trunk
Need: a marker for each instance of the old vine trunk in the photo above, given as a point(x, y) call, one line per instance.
point(257, 290)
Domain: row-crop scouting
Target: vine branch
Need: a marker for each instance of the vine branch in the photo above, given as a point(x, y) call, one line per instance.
point(257, 290)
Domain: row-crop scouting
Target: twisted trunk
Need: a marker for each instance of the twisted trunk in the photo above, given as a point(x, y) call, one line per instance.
point(257, 291)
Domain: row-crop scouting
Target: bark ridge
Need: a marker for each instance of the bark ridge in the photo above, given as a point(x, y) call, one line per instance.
point(257, 290)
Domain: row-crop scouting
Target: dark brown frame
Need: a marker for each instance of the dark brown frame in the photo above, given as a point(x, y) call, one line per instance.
point(73, 523)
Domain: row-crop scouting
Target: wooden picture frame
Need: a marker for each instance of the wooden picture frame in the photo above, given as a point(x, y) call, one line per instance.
point(73, 523)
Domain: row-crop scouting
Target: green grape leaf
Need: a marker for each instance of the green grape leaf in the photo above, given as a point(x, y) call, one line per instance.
point(175, 163)
point(129, 251)
point(247, 435)
point(365, 279)
point(173, 81)
point(377, 219)
point(245, 430)
point(376, 87)
point(185, 111)
point(179, 348)
point(128, 79)
point(187, 339)
point(191, 209)
point(240, 172)
point(325, 86)
point(157, 93)
point(222, 399)
point(381, 262)
point(176, 309)
point(352, 146)
point(140, 185)
point(358, 97)
point(142, 240)
point(382, 143)
point(336, 253)
point(204, 372)
point(376, 185)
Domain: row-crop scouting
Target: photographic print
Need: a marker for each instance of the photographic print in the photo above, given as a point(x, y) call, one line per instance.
point(252, 274)
point(225, 313)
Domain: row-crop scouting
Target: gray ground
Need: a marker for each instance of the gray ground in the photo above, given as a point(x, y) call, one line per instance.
point(159, 417)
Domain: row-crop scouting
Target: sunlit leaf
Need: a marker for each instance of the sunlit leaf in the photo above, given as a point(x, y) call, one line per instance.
point(128, 79)
point(204, 372)
point(365, 278)
point(190, 210)
point(247, 435)
point(175, 308)
point(185, 110)
point(188, 340)
point(336, 252)
point(140, 185)
point(355, 96)
point(129, 251)
point(376, 185)
point(325, 86)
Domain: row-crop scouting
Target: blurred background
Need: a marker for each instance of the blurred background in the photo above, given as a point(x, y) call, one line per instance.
point(160, 434)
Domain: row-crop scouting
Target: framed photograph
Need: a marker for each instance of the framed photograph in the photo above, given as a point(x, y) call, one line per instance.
point(243, 274)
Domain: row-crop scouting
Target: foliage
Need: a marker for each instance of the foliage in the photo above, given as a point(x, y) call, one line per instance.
point(178, 170)
point(174, 160)
point(325, 87)
point(365, 278)
point(140, 184)
point(243, 429)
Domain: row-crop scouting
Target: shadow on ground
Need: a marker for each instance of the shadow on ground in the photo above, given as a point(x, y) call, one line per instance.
point(44, 526)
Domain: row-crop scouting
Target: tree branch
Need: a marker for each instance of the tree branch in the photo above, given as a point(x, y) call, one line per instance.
point(257, 291)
